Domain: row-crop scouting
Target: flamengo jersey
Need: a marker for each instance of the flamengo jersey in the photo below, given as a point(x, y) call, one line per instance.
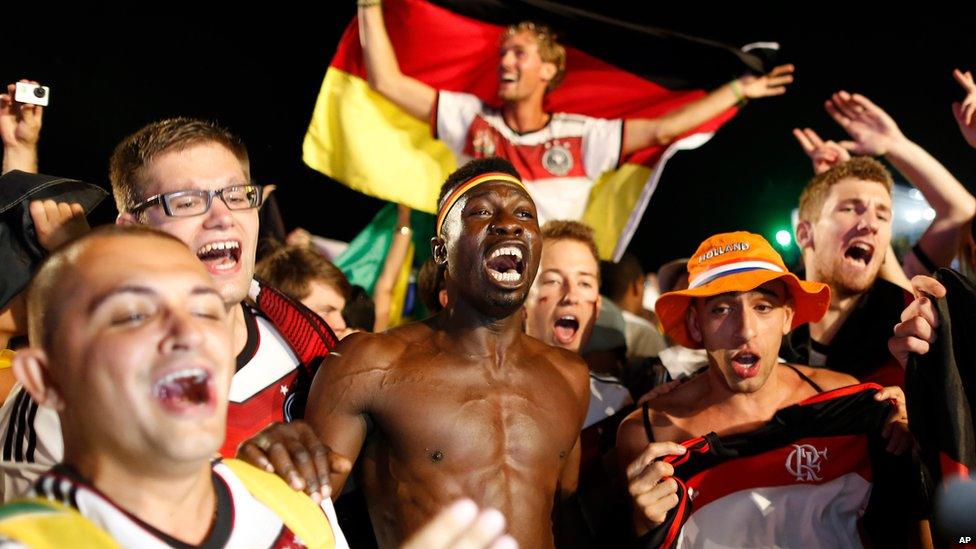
point(804, 479)
point(254, 509)
point(559, 163)
point(260, 394)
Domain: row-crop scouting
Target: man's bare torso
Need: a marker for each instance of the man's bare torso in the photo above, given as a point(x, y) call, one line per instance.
point(497, 429)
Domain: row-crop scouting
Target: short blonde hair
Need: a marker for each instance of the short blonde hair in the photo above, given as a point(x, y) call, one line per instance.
point(550, 50)
point(860, 167)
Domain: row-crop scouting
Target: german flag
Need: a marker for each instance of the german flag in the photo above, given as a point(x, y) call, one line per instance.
point(362, 140)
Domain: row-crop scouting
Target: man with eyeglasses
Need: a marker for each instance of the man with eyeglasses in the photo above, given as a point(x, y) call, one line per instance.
point(191, 179)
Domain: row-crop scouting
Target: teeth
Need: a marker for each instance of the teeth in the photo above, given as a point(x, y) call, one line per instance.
point(225, 245)
point(508, 250)
point(198, 373)
point(567, 317)
point(510, 276)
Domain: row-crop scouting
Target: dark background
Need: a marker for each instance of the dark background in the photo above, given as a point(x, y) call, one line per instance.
point(259, 74)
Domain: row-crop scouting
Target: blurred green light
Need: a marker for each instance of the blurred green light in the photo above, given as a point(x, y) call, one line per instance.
point(784, 238)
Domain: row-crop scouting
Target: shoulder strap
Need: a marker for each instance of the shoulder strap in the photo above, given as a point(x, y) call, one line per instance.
point(41, 523)
point(805, 378)
point(646, 415)
point(299, 513)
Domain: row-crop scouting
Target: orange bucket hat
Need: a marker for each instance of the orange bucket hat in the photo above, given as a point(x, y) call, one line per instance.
point(737, 262)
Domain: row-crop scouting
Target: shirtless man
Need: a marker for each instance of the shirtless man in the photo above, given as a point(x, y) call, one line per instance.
point(463, 404)
point(740, 303)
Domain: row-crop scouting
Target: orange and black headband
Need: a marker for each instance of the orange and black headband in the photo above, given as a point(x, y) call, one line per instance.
point(457, 193)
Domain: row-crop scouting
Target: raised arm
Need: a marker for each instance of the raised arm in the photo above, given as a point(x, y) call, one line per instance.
point(645, 132)
point(395, 256)
point(965, 110)
point(20, 129)
point(382, 69)
point(875, 133)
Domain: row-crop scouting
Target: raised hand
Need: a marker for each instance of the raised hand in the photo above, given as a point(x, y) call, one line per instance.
point(823, 154)
point(873, 132)
point(965, 110)
point(773, 83)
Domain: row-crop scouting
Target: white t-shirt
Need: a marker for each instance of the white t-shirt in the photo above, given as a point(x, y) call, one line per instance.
point(559, 162)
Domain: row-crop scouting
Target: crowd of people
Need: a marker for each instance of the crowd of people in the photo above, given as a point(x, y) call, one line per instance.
point(167, 387)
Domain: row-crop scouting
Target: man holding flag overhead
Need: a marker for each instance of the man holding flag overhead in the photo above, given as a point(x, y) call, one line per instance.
point(559, 155)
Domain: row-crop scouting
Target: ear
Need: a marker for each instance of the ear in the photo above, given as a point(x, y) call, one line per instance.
point(692, 324)
point(438, 249)
point(637, 287)
point(804, 235)
point(789, 311)
point(442, 298)
point(599, 306)
point(127, 218)
point(548, 71)
point(266, 192)
point(30, 366)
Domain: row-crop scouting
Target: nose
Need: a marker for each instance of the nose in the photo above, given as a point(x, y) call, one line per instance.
point(507, 59)
point(183, 332)
point(505, 225)
point(219, 216)
point(869, 220)
point(745, 328)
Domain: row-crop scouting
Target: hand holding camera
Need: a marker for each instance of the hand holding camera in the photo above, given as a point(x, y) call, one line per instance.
point(21, 115)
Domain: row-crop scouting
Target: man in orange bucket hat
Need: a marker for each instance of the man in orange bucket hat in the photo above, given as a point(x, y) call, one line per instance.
point(740, 303)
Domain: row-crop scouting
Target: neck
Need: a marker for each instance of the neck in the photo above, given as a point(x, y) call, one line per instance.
point(176, 500)
point(238, 328)
point(477, 334)
point(744, 408)
point(525, 115)
point(841, 305)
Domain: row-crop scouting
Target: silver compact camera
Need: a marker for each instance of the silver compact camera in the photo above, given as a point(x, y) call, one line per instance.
point(35, 94)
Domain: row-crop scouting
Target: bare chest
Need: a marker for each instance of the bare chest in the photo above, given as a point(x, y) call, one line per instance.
point(468, 416)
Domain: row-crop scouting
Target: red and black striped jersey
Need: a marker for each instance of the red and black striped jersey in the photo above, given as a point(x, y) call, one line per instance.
point(813, 476)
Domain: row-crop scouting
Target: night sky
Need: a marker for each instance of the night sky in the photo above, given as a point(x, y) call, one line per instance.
point(260, 76)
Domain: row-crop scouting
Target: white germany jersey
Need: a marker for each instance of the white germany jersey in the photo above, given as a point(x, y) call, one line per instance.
point(559, 162)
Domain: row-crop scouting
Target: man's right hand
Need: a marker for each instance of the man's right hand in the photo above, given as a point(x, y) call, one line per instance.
point(57, 222)
point(295, 453)
point(653, 492)
point(823, 154)
point(919, 321)
point(965, 110)
point(20, 130)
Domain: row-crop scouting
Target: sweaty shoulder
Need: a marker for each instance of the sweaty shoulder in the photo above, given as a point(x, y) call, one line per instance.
point(828, 380)
point(569, 364)
point(363, 349)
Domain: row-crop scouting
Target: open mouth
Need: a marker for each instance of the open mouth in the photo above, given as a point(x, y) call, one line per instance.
point(183, 389)
point(859, 252)
point(565, 329)
point(505, 264)
point(220, 256)
point(508, 78)
point(745, 364)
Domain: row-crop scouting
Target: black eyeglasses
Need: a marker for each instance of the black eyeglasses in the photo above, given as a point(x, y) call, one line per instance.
point(197, 202)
